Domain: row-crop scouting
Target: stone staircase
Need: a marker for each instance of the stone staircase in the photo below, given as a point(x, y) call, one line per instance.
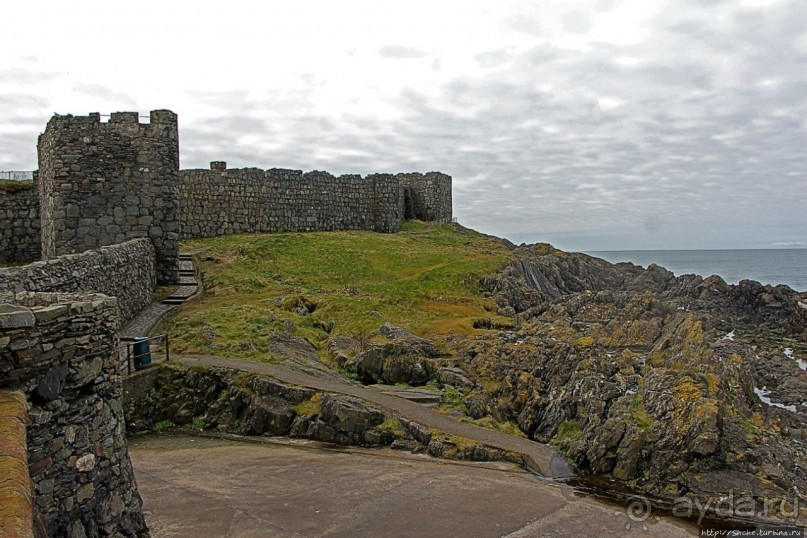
point(188, 285)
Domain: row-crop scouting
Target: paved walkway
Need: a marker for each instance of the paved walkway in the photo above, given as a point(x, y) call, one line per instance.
point(540, 458)
point(197, 487)
point(145, 320)
point(149, 316)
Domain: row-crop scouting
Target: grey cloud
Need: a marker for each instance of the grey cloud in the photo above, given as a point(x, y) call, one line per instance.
point(399, 52)
point(20, 75)
point(492, 58)
point(576, 22)
point(10, 102)
point(574, 148)
point(700, 140)
point(18, 151)
point(103, 92)
point(527, 24)
point(238, 124)
point(639, 154)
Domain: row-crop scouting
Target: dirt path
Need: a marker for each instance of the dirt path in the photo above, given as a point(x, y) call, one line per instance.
point(540, 458)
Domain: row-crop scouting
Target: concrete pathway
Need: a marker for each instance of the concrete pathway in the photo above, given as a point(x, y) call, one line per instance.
point(197, 487)
point(149, 316)
point(540, 458)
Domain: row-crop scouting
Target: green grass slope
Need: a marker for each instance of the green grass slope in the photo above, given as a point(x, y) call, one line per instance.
point(424, 278)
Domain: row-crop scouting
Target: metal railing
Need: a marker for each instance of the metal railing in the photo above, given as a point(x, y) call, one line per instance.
point(138, 352)
point(16, 175)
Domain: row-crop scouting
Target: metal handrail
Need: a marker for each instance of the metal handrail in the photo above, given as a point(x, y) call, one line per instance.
point(130, 341)
point(16, 175)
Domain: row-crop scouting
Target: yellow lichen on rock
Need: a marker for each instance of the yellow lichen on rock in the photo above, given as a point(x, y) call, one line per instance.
point(16, 505)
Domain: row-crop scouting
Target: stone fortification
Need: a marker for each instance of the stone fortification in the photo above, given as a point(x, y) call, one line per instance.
point(59, 350)
point(124, 271)
point(105, 183)
point(427, 197)
point(102, 184)
point(19, 225)
point(220, 201)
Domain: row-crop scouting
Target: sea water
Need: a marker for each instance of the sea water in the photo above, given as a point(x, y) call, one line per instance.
point(768, 266)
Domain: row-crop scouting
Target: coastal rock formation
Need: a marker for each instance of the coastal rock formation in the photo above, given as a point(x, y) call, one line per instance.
point(224, 400)
point(677, 386)
point(395, 355)
point(541, 273)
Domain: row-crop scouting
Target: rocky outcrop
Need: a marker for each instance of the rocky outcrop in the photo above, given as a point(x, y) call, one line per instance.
point(226, 400)
point(221, 399)
point(216, 399)
point(395, 355)
point(296, 353)
point(540, 273)
point(344, 420)
point(673, 385)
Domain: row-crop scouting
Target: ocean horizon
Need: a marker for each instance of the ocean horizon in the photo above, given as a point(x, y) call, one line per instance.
point(786, 266)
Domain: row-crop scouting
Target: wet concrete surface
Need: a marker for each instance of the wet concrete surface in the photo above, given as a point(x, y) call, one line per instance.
point(200, 487)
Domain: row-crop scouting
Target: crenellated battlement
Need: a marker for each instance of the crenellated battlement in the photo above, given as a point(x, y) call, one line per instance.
point(102, 184)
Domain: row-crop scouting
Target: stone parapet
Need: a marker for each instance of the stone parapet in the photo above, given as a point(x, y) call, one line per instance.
point(125, 271)
point(223, 201)
point(60, 352)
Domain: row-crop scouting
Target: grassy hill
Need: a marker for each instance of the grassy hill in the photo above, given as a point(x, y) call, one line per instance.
point(424, 278)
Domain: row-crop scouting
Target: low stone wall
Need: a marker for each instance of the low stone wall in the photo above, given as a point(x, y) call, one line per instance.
point(125, 271)
point(249, 200)
point(16, 502)
point(19, 225)
point(60, 351)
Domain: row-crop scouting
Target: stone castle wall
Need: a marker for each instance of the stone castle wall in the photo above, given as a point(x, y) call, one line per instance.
point(105, 183)
point(219, 201)
point(19, 226)
point(124, 271)
point(249, 200)
point(102, 184)
point(60, 351)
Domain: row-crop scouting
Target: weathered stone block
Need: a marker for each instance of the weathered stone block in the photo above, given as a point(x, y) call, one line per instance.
point(15, 316)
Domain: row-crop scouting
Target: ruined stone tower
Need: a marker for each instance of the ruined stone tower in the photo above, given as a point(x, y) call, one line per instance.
point(105, 183)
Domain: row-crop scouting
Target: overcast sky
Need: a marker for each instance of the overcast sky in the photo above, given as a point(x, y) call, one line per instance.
point(593, 125)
